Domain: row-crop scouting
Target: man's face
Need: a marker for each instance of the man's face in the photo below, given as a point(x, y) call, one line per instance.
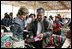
point(40, 16)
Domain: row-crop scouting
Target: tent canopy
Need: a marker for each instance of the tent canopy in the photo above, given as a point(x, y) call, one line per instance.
point(47, 5)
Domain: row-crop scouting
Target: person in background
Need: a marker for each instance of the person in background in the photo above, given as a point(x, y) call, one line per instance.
point(29, 20)
point(56, 26)
point(26, 20)
point(60, 17)
point(27, 17)
point(69, 20)
point(19, 23)
point(67, 43)
point(6, 20)
point(65, 21)
point(11, 15)
point(51, 19)
point(41, 28)
point(45, 17)
point(33, 16)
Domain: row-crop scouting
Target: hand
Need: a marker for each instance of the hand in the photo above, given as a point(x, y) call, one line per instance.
point(40, 36)
point(31, 36)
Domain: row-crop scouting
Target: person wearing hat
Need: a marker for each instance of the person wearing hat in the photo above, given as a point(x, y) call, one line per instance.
point(56, 26)
point(18, 23)
point(61, 20)
point(41, 28)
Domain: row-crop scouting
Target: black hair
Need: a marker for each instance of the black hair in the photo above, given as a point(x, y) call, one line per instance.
point(62, 18)
point(34, 15)
point(31, 15)
point(11, 13)
point(6, 13)
point(59, 15)
point(27, 17)
point(66, 18)
point(6, 16)
point(51, 17)
point(45, 16)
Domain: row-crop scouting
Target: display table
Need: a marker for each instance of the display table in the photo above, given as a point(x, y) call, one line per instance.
point(19, 44)
point(8, 34)
point(64, 31)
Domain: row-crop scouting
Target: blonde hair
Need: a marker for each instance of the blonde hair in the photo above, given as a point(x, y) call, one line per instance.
point(22, 11)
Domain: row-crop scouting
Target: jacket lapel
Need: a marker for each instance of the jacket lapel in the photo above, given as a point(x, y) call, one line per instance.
point(42, 27)
point(35, 24)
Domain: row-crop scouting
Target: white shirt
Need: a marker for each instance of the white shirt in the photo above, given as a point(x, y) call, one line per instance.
point(39, 28)
point(29, 20)
point(51, 21)
point(25, 23)
point(66, 21)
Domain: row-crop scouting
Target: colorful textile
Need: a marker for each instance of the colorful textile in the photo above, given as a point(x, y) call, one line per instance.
point(6, 42)
point(56, 28)
point(69, 34)
point(59, 38)
point(19, 44)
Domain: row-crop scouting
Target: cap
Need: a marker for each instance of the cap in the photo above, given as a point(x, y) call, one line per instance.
point(41, 10)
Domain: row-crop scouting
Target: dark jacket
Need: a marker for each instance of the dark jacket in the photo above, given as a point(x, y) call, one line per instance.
point(6, 23)
point(17, 28)
point(47, 30)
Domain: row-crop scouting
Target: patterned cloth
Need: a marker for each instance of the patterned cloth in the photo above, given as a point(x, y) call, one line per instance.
point(6, 42)
point(58, 40)
point(56, 28)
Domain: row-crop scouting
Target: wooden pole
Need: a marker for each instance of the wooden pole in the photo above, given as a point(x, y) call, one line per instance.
point(47, 14)
point(34, 6)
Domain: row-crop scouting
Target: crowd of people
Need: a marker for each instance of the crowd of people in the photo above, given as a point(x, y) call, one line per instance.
point(38, 25)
